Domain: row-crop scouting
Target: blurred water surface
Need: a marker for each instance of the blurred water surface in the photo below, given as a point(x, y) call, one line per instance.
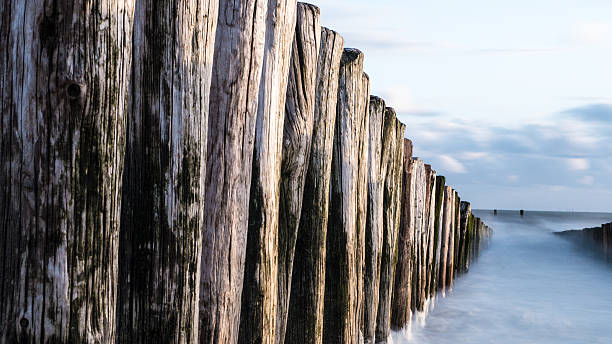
point(530, 286)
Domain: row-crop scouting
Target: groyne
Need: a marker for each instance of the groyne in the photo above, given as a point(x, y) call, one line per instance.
point(209, 172)
point(598, 239)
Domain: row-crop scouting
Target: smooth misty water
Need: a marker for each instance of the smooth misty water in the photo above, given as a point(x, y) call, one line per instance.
point(530, 286)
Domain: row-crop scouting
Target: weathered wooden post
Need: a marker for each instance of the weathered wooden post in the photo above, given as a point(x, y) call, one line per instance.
point(393, 142)
point(466, 211)
point(362, 198)
point(430, 216)
point(406, 268)
point(297, 142)
point(305, 319)
point(455, 242)
point(260, 292)
point(450, 260)
point(446, 236)
point(418, 205)
point(163, 184)
point(236, 76)
point(341, 322)
point(438, 217)
point(63, 82)
point(374, 222)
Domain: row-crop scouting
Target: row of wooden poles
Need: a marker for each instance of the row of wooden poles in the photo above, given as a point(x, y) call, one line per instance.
point(216, 171)
point(598, 239)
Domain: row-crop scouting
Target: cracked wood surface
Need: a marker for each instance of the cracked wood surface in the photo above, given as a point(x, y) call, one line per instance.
point(163, 192)
point(64, 72)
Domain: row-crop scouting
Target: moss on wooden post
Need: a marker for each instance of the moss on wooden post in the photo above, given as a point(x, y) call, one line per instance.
point(297, 142)
point(305, 319)
point(63, 81)
point(397, 148)
point(260, 292)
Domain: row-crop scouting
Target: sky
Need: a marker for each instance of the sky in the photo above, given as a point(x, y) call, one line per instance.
point(510, 100)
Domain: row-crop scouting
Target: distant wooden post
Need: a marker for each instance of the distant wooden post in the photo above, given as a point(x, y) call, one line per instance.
point(418, 206)
point(446, 236)
point(236, 76)
point(163, 185)
point(260, 293)
point(63, 81)
point(374, 222)
point(394, 143)
point(466, 211)
point(343, 265)
point(297, 142)
point(430, 216)
point(438, 217)
point(305, 319)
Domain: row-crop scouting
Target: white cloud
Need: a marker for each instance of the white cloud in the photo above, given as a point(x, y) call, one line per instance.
point(587, 180)
point(451, 164)
point(593, 33)
point(512, 178)
point(475, 155)
point(577, 164)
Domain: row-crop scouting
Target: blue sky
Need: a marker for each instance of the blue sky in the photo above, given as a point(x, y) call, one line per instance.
point(511, 100)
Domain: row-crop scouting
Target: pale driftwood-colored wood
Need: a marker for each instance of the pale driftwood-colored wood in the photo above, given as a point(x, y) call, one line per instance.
point(341, 318)
point(260, 292)
point(417, 203)
point(63, 87)
point(362, 197)
point(447, 219)
point(305, 319)
point(163, 185)
point(430, 216)
point(402, 297)
point(297, 142)
point(237, 69)
point(393, 142)
point(374, 221)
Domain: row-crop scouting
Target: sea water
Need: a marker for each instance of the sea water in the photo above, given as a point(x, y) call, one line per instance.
point(529, 286)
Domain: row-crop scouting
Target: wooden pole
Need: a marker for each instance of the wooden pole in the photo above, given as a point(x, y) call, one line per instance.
point(236, 76)
point(402, 296)
point(430, 215)
point(341, 322)
point(446, 236)
point(393, 141)
point(305, 319)
point(438, 217)
point(63, 82)
point(374, 221)
point(260, 293)
point(163, 185)
point(297, 143)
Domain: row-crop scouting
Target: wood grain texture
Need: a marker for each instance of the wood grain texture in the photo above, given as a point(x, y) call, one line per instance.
point(438, 231)
point(362, 198)
point(430, 220)
point(297, 143)
point(305, 319)
point(396, 148)
point(343, 265)
point(260, 292)
point(163, 185)
point(402, 298)
point(447, 219)
point(235, 84)
point(374, 220)
point(64, 73)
